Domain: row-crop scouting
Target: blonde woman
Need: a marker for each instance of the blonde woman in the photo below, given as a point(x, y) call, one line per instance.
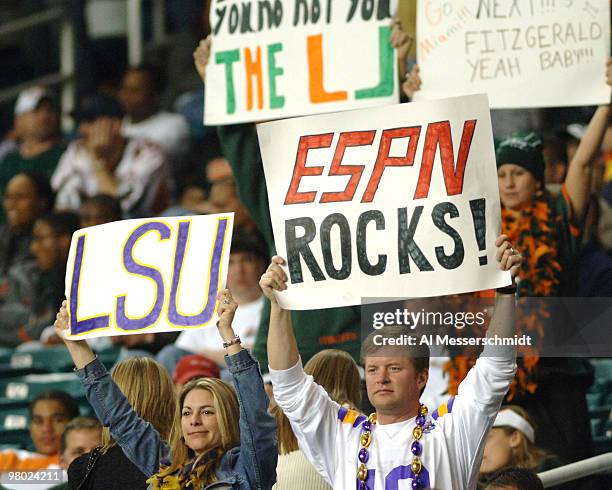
point(511, 443)
point(220, 438)
point(336, 372)
point(139, 387)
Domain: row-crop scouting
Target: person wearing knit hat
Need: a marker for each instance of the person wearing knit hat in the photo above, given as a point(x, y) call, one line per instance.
point(520, 169)
point(546, 227)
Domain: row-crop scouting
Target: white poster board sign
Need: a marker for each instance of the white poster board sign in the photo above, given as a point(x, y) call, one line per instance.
point(522, 53)
point(398, 201)
point(147, 275)
point(274, 59)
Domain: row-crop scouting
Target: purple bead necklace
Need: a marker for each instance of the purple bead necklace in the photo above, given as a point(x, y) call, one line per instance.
point(416, 448)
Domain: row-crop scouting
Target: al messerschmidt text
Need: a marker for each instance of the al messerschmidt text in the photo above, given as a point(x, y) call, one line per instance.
point(451, 341)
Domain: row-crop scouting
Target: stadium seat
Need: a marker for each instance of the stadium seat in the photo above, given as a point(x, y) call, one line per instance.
point(48, 359)
point(15, 391)
point(14, 423)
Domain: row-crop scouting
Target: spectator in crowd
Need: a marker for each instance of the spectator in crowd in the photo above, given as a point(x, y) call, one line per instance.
point(37, 126)
point(530, 213)
point(217, 436)
point(49, 413)
point(98, 210)
point(221, 197)
point(27, 196)
point(139, 96)
point(35, 290)
point(555, 158)
point(547, 227)
point(192, 367)
point(192, 199)
point(511, 443)
point(81, 435)
point(133, 403)
point(389, 445)
point(103, 161)
point(247, 262)
point(515, 479)
point(559, 149)
point(223, 194)
point(337, 373)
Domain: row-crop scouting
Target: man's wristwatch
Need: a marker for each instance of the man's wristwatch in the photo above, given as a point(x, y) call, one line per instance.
point(228, 343)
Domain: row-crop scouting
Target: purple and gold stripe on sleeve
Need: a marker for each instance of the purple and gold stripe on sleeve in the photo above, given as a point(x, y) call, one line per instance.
point(347, 416)
point(443, 409)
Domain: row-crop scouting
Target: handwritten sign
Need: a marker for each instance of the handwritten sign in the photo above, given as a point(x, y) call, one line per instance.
point(273, 59)
point(147, 275)
point(386, 202)
point(523, 53)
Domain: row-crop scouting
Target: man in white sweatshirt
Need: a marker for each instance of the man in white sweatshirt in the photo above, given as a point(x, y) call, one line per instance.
point(402, 445)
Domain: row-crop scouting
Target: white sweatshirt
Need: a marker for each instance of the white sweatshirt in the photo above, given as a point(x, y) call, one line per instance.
point(452, 445)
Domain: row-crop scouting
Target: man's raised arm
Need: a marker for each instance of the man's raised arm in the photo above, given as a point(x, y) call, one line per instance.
point(503, 323)
point(282, 346)
point(294, 391)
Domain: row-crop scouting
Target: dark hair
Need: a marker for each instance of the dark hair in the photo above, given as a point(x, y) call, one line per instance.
point(155, 76)
point(62, 222)
point(111, 206)
point(42, 187)
point(243, 241)
point(71, 407)
point(79, 423)
point(419, 354)
point(515, 479)
point(97, 106)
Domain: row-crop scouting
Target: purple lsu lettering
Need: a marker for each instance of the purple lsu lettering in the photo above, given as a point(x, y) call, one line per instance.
point(124, 322)
point(395, 475)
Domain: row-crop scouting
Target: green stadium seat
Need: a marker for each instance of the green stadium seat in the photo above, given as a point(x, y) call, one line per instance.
point(48, 359)
point(14, 428)
point(25, 388)
point(5, 354)
point(14, 418)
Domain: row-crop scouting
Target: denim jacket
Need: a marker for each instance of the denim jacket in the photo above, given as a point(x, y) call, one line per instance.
point(252, 465)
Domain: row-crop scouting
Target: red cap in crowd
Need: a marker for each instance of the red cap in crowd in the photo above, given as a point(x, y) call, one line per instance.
point(195, 366)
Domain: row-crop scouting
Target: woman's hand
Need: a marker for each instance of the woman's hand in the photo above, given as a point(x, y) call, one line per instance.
point(507, 257)
point(274, 279)
point(201, 56)
point(226, 311)
point(79, 350)
point(62, 321)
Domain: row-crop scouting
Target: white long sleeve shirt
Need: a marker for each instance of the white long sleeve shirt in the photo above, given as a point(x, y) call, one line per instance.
point(452, 445)
point(140, 173)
